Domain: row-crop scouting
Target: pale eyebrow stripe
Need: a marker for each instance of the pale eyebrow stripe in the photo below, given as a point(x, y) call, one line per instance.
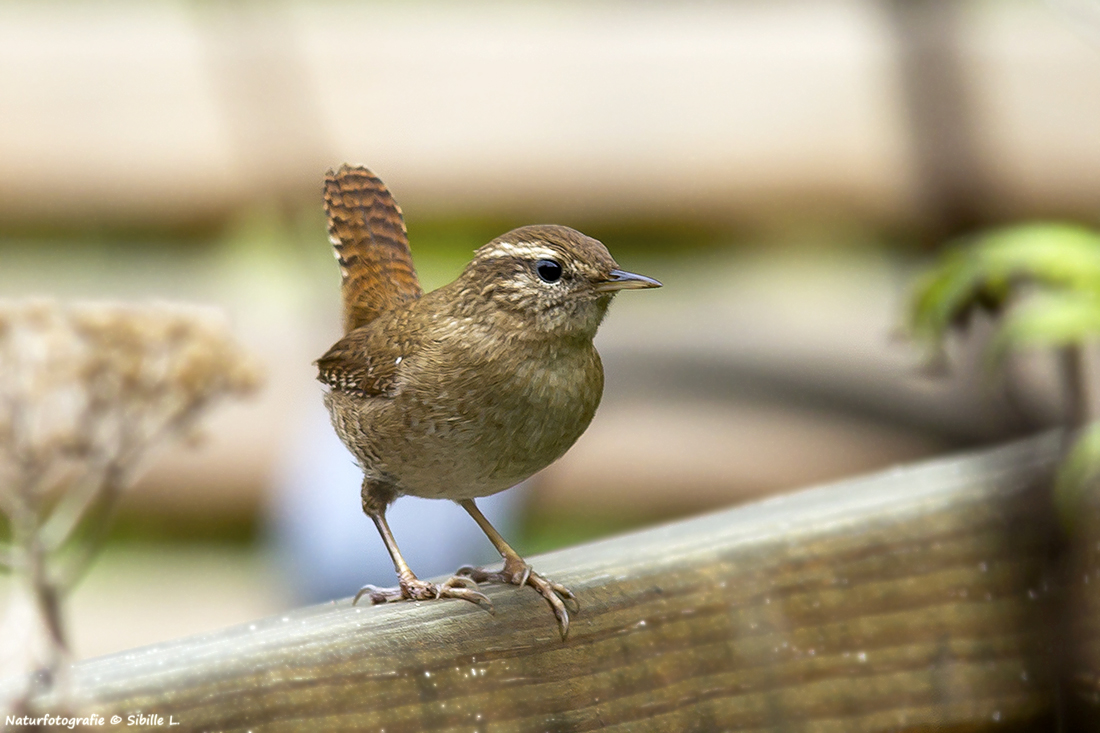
point(523, 250)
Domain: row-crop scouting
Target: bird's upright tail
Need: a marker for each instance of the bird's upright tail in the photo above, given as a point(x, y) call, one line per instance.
point(368, 234)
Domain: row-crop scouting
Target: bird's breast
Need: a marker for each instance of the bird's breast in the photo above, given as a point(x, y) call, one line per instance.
point(495, 421)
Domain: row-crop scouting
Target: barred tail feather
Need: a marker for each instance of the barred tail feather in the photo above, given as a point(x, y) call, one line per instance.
point(368, 235)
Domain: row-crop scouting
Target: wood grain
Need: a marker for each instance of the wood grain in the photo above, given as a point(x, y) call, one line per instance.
point(913, 600)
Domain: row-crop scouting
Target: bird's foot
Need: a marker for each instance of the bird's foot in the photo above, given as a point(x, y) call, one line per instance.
point(517, 572)
point(414, 589)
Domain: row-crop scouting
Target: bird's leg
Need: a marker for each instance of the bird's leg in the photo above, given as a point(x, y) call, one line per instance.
point(517, 572)
point(412, 588)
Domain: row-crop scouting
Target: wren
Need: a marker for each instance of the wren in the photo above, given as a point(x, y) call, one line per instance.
point(469, 389)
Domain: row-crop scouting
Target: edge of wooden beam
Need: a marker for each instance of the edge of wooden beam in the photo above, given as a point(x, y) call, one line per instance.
point(845, 606)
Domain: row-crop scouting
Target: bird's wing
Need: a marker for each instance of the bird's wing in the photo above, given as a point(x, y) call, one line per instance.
point(367, 361)
point(368, 234)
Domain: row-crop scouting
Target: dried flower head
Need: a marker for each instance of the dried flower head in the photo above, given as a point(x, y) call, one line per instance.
point(86, 390)
point(91, 387)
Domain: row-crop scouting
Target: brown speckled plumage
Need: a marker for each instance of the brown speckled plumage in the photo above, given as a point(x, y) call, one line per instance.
point(472, 388)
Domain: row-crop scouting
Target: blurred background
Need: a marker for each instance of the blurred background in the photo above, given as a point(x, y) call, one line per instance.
point(784, 167)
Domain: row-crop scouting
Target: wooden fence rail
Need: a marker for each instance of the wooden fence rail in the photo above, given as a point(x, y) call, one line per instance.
point(918, 599)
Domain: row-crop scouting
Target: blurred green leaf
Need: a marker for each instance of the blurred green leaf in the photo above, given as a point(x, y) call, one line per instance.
point(985, 271)
point(1049, 319)
point(1052, 274)
point(1056, 254)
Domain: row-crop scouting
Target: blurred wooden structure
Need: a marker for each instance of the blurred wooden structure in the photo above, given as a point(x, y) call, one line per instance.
point(179, 114)
point(917, 599)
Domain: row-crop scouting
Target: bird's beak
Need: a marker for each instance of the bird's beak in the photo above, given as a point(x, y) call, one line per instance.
point(620, 280)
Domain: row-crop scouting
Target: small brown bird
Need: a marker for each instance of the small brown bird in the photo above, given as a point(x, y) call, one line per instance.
point(470, 389)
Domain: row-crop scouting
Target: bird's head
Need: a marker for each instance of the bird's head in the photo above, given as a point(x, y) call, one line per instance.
point(551, 277)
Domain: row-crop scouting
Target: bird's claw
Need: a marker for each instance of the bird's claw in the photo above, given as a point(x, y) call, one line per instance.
point(377, 595)
point(456, 580)
point(561, 599)
point(414, 589)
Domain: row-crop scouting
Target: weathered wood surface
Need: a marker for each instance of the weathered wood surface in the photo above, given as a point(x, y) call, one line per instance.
point(915, 599)
point(1080, 665)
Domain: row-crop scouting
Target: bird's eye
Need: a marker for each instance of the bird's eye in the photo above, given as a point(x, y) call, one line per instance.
point(548, 270)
